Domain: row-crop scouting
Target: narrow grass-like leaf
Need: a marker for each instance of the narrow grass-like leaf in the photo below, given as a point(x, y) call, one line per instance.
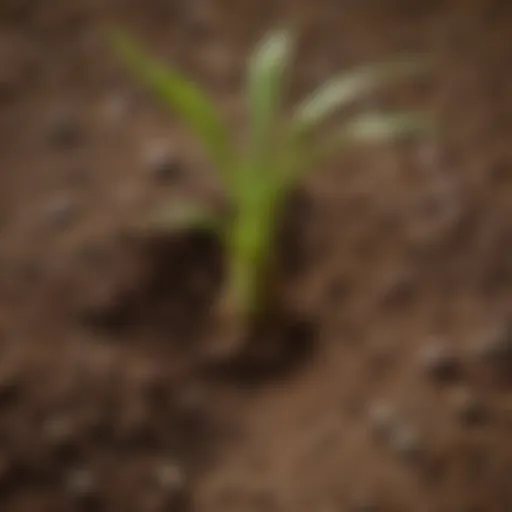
point(301, 157)
point(266, 72)
point(184, 98)
point(259, 182)
point(372, 129)
point(343, 90)
point(183, 217)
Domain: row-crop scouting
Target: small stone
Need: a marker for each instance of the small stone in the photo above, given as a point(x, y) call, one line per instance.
point(406, 443)
point(467, 407)
point(161, 161)
point(438, 362)
point(64, 129)
point(61, 212)
point(383, 420)
point(170, 477)
point(81, 485)
point(116, 107)
point(496, 346)
point(172, 482)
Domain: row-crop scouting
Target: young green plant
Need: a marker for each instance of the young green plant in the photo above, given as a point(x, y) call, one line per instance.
point(259, 177)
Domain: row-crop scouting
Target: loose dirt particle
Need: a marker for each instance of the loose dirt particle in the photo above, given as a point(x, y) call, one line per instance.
point(82, 487)
point(495, 346)
point(61, 212)
point(438, 361)
point(467, 407)
point(406, 442)
point(161, 161)
point(383, 420)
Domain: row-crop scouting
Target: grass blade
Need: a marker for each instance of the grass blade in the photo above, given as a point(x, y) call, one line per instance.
point(192, 106)
point(384, 127)
point(267, 68)
point(343, 90)
point(376, 129)
point(366, 128)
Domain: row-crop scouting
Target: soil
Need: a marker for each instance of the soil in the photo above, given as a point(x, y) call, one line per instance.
point(390, 391)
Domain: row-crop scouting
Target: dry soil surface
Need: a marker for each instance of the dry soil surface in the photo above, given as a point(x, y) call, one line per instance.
point(395, 395)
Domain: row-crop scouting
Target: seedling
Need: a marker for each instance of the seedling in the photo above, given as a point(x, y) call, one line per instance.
point(259, 177)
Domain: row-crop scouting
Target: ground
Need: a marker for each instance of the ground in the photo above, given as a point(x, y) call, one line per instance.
point(395, 395)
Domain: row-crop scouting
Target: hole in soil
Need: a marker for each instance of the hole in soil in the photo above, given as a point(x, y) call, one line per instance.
point(179, 279)
point(172, 292)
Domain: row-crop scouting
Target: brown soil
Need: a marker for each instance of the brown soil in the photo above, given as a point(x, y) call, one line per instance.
point(397, 397)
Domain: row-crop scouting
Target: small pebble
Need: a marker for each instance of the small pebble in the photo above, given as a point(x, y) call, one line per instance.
point(116, 107)
point(81, 485)
point(496, 346)
point(172, 482)
point(170, 476)
point(438, 362)
point(406, 443)
point(467, 407)
point(61, 212)
point(64, 129)
point(383, 420)
point(161, 161)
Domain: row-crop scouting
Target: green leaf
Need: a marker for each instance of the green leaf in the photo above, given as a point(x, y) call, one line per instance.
point(184, 216)
point(301, 158)
point(266, 72)
point(343, 90)
point(373, 129)
point(191, 104)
